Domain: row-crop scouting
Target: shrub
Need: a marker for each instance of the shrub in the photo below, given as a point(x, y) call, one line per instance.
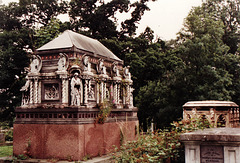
point(160, 146)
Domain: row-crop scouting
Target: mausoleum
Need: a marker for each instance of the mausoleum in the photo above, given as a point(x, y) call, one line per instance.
point(70, 79)
point(218, 113)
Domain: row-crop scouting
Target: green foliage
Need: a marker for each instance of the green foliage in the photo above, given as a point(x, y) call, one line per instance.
point(47, 33)
point(159, 146)
point(6, 151)
point(9, 135)
point(104, 111)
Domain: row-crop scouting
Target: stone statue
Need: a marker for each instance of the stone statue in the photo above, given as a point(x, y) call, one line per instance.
point(62, 62)
point(36, 64)
point(101, 69)
point(115, 69)
point(76, 90)
point(26, 92)
point(86, 63)
point(126, 73)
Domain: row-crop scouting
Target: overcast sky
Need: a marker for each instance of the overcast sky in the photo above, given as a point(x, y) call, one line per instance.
point(165, 17)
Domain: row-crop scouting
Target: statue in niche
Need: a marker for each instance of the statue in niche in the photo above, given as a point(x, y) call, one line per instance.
point(91, 93)
point(76, 90)
point(36, 64)
point(126, 73)
point(62, 62)
point(86, 64)
point(101, 69)
point(115, 69)
point(26, 92)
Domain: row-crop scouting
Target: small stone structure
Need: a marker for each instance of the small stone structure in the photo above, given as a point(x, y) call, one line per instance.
point(213, 145)
point(218, 113)
point(68, 79)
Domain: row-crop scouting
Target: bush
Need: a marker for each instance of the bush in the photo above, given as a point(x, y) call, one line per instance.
point(159, 146)
point(9, 135)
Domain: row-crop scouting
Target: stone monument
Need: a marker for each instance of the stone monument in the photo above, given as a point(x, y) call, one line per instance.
point(69, 79)
point(212, 145)
point(218, 113)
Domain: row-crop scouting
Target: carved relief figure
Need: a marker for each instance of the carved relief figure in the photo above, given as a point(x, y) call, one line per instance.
point(101, 69)
point(126, 73)
point(76, 90)
point(86, 63)
point(36, 64)
point(26, 92)
point(115, 69)
point(62, 62)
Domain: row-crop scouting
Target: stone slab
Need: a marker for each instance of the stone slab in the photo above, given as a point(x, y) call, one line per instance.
point(213, 134)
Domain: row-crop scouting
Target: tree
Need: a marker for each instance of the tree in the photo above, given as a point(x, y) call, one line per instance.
point(99, 19)
point(13, 59)
point(228, 12)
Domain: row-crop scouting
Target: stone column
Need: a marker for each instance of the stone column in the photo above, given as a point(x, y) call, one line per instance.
point(86, 92)
point(118, 92)
point(127, 94)
point(64, 83)
point(124, 95)
point(115, 93)
point(39, 92)
point(98, 94)
point(101, 91)
point(64, 91)
point(31, 92)
point(104, 90)
point(35, 90)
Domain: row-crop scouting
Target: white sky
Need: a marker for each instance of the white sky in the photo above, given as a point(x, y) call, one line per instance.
point(165, 17)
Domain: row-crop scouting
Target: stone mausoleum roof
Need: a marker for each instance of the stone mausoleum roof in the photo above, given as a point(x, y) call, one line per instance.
point(210, 103)
point(71, 40)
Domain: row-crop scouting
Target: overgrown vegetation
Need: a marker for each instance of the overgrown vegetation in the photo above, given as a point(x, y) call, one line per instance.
point(159, 146)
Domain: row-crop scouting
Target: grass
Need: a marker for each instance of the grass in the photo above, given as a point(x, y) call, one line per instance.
point(6, 151)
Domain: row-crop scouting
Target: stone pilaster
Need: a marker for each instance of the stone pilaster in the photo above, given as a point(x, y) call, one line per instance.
point(86, 92)
point(31, 92)
point(35, 90)
point(98, 93)
point(115, 93)
point(39, 92)
point(64, 82)
point(101, 92)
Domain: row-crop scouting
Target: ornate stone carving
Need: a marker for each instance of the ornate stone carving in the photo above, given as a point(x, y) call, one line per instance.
point(51, 92)
point(91, 93)
point(86, 64)
point(101, 69)
point(26, 92)
point(76, 90)
point(63, 62)
point(36, 64)
point(115, 70)
point(126, 73)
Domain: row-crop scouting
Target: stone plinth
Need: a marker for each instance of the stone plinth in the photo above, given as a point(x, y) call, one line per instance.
point(71, 133)
point(212, 145)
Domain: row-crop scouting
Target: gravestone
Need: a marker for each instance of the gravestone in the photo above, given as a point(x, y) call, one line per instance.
point(68, 81)
point(213, 145)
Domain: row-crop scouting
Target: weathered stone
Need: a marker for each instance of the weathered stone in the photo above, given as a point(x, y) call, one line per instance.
point(212, 145)
point(218, 113)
